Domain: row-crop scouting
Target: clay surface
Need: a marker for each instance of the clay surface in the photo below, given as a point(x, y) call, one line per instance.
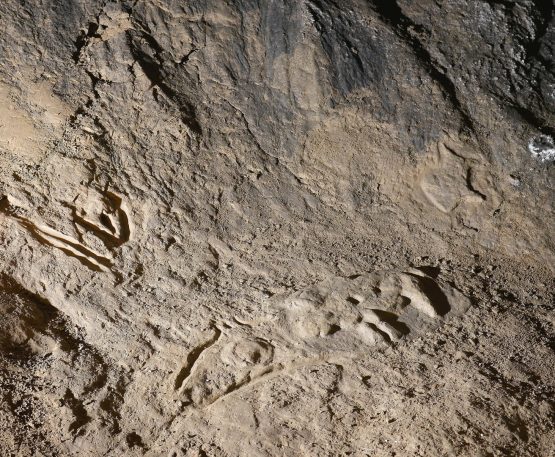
point(277, 228)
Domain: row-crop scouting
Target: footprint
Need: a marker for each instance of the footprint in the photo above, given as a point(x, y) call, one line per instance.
point(221, 365)
point(47, 235)
point(384, 306)
point(340, 317)
point(103, 214)
point(450, 181)
point(103, 217)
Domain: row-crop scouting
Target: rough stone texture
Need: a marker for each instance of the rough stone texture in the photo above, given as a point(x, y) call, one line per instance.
point(277, 228)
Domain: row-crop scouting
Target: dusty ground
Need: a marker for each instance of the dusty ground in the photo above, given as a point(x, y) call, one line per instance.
point(277, 228)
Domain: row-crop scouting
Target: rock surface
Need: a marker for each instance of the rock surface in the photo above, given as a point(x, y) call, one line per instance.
point(277, 228)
